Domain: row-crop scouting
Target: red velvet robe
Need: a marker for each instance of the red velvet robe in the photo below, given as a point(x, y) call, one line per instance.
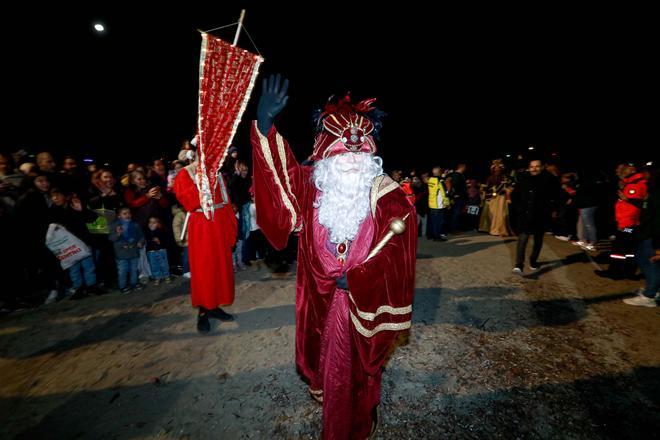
point(378, 303)
point(209, 243)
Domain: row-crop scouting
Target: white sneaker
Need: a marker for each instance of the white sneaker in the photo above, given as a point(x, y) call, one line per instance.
point(588, 247)
point(534, 268)
point(517, 271)
point(641, 300)
point(52, 297)
point(562, 237)
point(186, 275)
point(578, 243)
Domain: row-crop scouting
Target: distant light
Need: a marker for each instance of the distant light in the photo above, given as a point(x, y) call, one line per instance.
point(530, 148)
point(648, 164)
point(106, 164)
point(88, 160)
point(99, 27)
point(508, 155)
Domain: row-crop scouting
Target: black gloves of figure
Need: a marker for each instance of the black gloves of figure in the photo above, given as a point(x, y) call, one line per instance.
point(273, 100)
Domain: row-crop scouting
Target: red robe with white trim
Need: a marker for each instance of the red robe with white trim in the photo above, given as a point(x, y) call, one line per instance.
point(378, 303)
point(209, 243)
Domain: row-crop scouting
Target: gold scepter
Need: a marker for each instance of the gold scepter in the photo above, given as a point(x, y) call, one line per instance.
point(397, 226)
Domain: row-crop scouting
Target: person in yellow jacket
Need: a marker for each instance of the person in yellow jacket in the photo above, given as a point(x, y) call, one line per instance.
point(438, 204)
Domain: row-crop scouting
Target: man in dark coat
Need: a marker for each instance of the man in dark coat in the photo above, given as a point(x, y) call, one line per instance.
point(535, 201)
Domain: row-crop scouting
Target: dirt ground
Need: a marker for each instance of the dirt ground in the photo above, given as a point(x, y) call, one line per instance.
point(555, 355)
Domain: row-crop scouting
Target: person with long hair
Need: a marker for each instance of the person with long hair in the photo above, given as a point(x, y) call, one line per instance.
point(144, 199)
point(105, 198)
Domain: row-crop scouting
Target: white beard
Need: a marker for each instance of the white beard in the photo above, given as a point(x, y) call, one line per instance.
point(344, 202)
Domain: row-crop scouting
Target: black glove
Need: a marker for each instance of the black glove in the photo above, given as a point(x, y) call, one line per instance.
point(273, 100)
point(342, 283)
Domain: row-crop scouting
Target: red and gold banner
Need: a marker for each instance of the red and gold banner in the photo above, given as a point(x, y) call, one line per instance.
point(226, 76)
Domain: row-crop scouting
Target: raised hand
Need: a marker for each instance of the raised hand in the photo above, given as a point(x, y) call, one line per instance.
point(273, 100)
point(153, 193)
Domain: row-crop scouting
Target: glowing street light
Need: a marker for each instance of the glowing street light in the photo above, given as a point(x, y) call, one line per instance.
point(99, 27)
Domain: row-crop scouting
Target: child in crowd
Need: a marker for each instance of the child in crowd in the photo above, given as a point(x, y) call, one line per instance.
point(128, 239)
point(156, 238)
point(237, 250)
point(255, 243)
point(69, 212)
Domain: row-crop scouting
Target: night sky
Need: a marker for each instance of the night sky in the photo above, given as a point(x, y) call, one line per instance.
point(456, 85)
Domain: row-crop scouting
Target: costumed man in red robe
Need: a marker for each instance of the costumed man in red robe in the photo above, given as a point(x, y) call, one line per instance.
point(209, 248)
point(349, 308)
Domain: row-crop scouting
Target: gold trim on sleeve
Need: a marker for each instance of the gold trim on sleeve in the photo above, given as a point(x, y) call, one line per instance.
point(392, 326)
point(374, 193)
point(382, 309)
point(265, 148)
point(282, 153)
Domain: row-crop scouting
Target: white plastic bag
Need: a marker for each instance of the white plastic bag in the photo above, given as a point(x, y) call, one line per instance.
point(68, 248)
